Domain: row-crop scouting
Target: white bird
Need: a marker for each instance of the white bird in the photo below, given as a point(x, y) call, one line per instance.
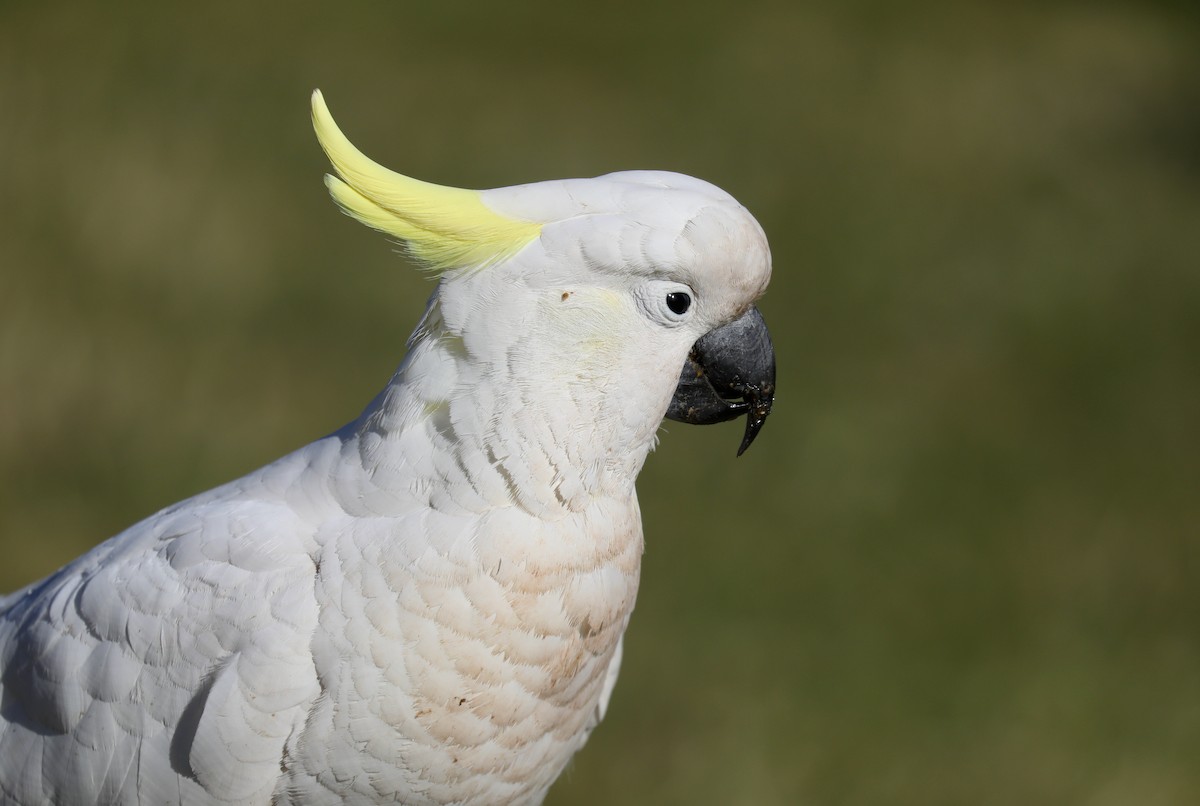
point(427, 606)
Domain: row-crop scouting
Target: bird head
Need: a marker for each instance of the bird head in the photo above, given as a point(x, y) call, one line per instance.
point(629, 296)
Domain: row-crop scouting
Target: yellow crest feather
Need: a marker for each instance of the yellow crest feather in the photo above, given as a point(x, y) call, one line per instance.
point(443, 227)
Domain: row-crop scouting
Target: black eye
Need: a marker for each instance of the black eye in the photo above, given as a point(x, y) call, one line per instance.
point(679, 302)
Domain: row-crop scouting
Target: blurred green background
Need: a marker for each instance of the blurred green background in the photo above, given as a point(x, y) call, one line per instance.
point(962, 563)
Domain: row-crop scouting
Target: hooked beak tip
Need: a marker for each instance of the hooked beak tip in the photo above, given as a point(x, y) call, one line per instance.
point(759, 407)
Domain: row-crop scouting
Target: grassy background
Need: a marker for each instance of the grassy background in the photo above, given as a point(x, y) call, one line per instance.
point(962, 564)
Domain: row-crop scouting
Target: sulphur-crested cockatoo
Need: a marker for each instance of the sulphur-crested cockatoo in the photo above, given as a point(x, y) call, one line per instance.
point(425, 607)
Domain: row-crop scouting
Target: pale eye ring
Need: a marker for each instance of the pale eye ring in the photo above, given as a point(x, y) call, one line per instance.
point(667, 302)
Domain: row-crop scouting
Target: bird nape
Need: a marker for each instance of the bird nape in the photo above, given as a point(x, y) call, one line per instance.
point(426, 606)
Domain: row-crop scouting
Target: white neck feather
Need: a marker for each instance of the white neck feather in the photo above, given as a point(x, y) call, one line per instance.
point(499, 435)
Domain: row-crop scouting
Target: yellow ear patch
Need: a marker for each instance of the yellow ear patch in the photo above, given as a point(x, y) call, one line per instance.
point(443, 227)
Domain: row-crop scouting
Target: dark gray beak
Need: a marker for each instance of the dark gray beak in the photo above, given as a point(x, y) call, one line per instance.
point(729, 372)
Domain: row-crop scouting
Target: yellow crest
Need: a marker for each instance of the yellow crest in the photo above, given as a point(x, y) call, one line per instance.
point(443, 227)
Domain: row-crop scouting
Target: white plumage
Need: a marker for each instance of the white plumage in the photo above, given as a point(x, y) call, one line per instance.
point(427, 606)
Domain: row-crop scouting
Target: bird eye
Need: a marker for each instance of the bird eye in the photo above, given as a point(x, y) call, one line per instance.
point(667, 302)
point(679, 302)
